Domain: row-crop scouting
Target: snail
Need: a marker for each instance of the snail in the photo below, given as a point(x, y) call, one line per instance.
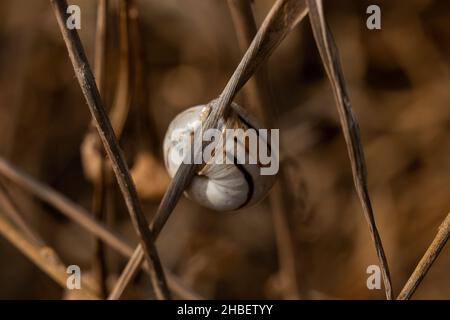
point(224, 185)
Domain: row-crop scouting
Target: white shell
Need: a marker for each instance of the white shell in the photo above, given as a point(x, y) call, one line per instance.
point(222, 187)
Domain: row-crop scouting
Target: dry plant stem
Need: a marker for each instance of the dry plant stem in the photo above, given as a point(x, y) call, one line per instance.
point(331, 61)
point(100, 44)
point(99, 212)
point(70, 209)
point(121, 104)
point(257, 88)
point(127, 275)
point(144, 121)
point(283, 16)
point(99, 193)
point(258, 94)
point(118, 113)
point(427, 260)
point(137, 257)
point(43, 257)
point(288, 273)
point(90, 91)
point(85, 219)
point(32, 245)
point(10, 209)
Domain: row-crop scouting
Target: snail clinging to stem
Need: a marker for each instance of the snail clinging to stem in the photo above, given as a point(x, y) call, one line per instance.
point(239, 165)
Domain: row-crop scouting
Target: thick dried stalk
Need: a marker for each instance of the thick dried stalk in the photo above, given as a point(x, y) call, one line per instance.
point(283, 16)
point(258, 94)
point(331, 62)
point(85, 219)
point(43, 257)
point(103, 125)
point(427, 260)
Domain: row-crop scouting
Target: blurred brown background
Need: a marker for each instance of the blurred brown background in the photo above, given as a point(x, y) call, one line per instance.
point(399, 83)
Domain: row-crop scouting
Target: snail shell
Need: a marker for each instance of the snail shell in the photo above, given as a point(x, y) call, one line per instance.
point(219, 186)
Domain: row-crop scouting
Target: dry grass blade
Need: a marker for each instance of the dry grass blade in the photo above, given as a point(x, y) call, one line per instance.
point(148, 172)
point(122, 100)
point(85, 219)
point(72, 210)
point(100, 44)
point(90, 91)
point(99, 192)
point(34, 247)
point(257, 89)
point(43, 257)
point(130, 271)
point(331, 62)
point(258, 94)
point(427, 260)
point(135, 261)
point(283, 16)
point(12, 212)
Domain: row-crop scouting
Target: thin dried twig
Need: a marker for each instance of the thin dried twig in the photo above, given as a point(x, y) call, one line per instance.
point(148, 172)
point(100, 44)
point(103, 125)
point(33, 246)
point(245, 28)
point(282, 18)
point(331, 62)
point(258, 94)
point(427, 260)
point(85, 219)
point(99, 185)
point(122, 99)
point(43, 257)
point(12, 212)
